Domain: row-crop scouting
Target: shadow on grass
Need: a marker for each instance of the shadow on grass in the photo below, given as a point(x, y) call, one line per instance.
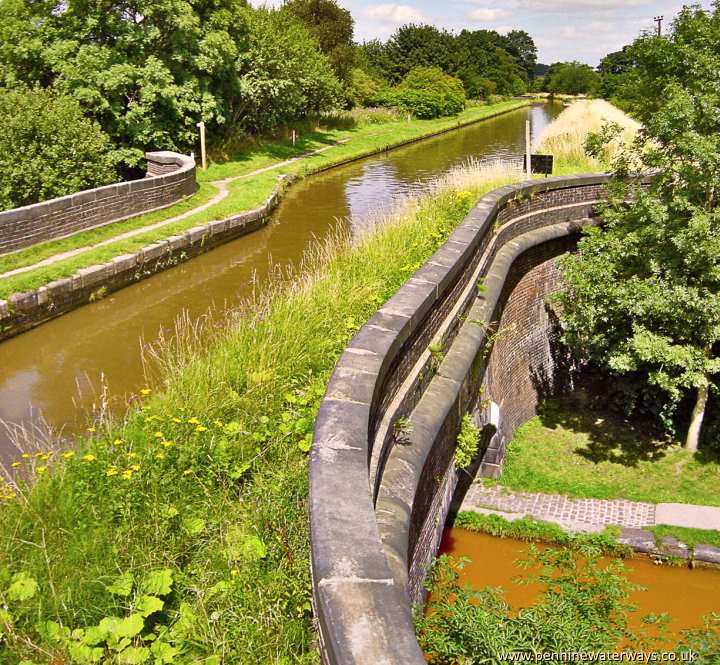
point(243, 147)
point(610, 437)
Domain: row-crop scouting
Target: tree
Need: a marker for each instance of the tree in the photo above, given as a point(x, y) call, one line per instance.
point(521, 45)
point(332, 26)
point(146, 70)
point(281, 74)
point(644, 290)
point(428, 93)
point(48, 148)
point(571, 78)
point(419, 46)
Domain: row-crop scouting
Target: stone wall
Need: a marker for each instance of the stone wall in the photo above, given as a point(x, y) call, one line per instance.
point(23, 311)
point(382, 474)
point(170, 177)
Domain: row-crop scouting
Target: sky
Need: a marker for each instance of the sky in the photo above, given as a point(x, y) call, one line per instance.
point(584, 30)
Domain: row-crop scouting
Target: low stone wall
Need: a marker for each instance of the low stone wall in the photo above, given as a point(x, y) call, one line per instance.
point(382, 474)
point(23, 311)
point(170, 177)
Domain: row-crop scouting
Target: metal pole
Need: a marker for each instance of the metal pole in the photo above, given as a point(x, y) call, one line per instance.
point(203, 155)
point(528, 152)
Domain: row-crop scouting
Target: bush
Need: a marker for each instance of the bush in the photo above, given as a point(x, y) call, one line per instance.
point(48, 148)
point(428, 93)
point(364, 90)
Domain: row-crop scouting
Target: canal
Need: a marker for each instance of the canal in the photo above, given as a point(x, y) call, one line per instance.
point(62, 371)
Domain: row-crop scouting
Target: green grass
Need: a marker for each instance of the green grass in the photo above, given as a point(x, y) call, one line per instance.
point(570, 450)
point(690, 537)
point(537, 531)
point(245, 194)
point(219, 493)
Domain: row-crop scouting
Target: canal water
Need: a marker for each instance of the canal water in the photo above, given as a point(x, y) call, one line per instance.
point(55, 373)
point(685, 595)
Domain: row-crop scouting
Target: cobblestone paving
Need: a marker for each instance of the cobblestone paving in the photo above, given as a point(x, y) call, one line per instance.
point(561, 509)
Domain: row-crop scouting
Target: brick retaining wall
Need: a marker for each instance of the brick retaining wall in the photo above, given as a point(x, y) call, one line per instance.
point(170, 177)
point(380, 492)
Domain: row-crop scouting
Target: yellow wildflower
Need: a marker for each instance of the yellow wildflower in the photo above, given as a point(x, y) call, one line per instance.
point(127, 474)
point(88, 458)
point(15, 465)
point(193, 421)
point(44, 456)
point(118, 442)
point(160, 455)
point(218, 423)
point(135, 467)
point(187, 472)
point(112, 471)
point(91, 429)
point(9, 496)
point(159, 435)
point(200, 428)
point(41, 469)
point(234, 572)
point(145, 391)
point(167, 444)
point(176, 420)
point(26, 455)
point(132, 455)
point(69, 454)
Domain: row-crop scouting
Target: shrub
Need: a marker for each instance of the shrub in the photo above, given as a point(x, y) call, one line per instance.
point(467, 443)
point(428, 93)
point(364, 90)
point(48, 148)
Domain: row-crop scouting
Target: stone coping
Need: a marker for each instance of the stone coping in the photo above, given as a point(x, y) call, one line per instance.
point(363, 612)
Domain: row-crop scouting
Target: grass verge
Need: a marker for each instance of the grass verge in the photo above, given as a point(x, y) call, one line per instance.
point(690, 537)
point(537, 531)
point(185, 526)
point(246, 194)
point(568, 449)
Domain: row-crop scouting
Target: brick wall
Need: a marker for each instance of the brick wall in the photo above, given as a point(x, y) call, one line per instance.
point(170, 177)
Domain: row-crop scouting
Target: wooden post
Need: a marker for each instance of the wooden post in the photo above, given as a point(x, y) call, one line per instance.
point(294, 138)
point(203, 156)
point(528, 150)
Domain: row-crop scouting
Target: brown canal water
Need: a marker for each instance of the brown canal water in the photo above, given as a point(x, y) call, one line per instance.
point(686, 595)
point(55, 373)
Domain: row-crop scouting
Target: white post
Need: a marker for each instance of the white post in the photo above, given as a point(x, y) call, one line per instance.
point(203, 156)
point(294, 138)
point(528, 151)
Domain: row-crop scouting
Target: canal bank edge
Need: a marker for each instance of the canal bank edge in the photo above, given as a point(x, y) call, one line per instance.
point(382, 472)
point(23, 311)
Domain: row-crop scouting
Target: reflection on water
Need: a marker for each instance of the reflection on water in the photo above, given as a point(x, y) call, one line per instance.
point(686, 595)
point(42, 371)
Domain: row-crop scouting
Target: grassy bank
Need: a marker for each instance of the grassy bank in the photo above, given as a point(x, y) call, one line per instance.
point(537, 531)
point(198, 500)
point(568, 449)
point(247, 193)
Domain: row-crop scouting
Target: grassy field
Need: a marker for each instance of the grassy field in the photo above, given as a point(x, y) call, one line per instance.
point(570, 450)
point(366, 138)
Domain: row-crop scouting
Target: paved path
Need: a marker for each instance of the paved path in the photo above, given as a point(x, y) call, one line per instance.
point(220, 185)
point(587, 514)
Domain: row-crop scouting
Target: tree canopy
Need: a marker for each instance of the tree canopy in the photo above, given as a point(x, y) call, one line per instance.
point(644, 290)
point(571, 78)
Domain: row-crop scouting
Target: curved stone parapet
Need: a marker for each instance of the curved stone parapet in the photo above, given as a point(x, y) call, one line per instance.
point(382, 473)
point(170, 177)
